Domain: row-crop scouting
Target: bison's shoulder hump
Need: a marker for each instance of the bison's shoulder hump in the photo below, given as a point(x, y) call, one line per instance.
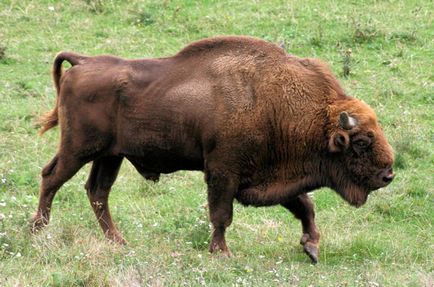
point(229, 43)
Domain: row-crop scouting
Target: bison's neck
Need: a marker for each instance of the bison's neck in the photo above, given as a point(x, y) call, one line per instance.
point(298, 138)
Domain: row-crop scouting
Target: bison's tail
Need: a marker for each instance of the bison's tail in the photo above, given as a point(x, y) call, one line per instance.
point(51, 119)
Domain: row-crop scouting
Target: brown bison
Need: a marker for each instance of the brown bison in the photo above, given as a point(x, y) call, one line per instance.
point(265, 127)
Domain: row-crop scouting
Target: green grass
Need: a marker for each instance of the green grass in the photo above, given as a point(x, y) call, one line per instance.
point(387, 242)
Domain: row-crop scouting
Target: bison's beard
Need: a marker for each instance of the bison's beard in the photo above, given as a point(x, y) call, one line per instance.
point(353, 194)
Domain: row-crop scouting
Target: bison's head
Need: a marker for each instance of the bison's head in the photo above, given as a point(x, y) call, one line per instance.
point(361, 157)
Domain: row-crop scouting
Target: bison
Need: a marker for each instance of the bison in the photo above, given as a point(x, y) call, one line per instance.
point(265, 127)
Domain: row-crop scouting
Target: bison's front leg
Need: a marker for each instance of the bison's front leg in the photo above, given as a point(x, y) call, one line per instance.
point(221, 190)
point(302, 207)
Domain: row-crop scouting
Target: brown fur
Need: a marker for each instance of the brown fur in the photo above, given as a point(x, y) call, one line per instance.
point(262, 125)
point(50, 119)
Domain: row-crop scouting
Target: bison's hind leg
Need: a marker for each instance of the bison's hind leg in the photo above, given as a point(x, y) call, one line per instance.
point(102, 176)
point(60, 169)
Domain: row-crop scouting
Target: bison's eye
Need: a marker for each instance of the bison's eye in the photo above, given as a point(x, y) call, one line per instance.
point(361, 142)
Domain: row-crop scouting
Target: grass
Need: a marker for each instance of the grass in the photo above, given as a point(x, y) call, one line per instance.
point(388, 242)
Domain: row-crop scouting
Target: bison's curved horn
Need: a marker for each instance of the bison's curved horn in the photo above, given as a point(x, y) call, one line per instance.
point(346, 121)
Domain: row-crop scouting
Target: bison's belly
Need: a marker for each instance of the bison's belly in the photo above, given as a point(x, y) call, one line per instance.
point(163, 156)
point(164, 162)
point(159, 140)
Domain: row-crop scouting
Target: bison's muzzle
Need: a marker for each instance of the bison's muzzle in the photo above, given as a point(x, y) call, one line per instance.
point(385, 176)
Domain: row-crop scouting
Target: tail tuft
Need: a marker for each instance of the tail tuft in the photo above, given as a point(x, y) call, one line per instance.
point(48, 121)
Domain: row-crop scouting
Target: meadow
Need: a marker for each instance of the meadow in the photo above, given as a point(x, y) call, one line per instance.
point(381, 51)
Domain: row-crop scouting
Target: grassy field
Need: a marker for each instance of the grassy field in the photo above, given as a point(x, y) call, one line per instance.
point(386, 46)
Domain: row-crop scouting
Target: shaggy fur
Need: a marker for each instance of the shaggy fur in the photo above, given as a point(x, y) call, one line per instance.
point(262, 125)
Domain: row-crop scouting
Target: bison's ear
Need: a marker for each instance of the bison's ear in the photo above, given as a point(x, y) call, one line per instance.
point(339, 141)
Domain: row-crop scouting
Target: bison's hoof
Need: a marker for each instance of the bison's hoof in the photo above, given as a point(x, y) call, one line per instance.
point(120, 241)
point(311, 250)
point(37, 223)
point(116, 238)
point(217, 249)
point(225, 253)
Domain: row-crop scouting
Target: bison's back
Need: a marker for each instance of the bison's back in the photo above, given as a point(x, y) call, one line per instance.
point(168, 114)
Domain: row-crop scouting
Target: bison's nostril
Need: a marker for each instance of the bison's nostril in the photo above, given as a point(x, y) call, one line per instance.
point(388, 177)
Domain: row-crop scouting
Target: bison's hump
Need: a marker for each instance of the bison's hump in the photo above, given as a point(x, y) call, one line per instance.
point(230, 43)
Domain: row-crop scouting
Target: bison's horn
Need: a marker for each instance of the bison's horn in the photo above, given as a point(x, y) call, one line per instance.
point(346, 121)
